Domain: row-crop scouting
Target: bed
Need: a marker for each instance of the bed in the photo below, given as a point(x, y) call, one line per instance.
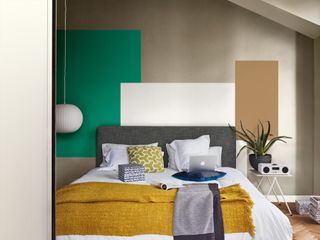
point(269, 221)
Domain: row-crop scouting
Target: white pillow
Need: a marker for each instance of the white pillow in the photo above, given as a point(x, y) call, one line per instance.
point(189, 147)
point(213, 151)
point(171, 154)
point(216, 151)
point(115, 154)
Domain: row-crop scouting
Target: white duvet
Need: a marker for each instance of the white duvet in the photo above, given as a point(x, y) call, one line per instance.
point(270, 222)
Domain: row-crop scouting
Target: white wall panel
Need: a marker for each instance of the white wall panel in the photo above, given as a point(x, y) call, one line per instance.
point(25, 119)
point(177, 104)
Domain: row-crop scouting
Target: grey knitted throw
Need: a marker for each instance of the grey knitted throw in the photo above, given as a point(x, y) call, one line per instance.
point(197, 213)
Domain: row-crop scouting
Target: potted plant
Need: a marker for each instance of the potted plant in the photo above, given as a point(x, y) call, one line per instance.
point(259, 144)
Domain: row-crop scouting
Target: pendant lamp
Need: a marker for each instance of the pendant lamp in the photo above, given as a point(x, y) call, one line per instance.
point(68, 116)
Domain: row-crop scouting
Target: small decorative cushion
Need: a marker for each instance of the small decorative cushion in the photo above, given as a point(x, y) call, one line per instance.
point(148, 156)
point(199, 176)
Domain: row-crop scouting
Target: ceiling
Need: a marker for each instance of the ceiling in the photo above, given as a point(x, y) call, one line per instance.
point(298, 15)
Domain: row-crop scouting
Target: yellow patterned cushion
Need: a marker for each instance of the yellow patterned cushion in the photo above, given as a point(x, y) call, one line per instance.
point(148, 156)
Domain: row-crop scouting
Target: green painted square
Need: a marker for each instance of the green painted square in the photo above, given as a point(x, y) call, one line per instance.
point(97, 62)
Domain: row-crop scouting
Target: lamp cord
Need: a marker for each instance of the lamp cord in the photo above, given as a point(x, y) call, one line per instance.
point(65, 51)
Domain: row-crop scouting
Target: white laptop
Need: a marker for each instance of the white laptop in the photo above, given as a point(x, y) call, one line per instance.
point(202, 162)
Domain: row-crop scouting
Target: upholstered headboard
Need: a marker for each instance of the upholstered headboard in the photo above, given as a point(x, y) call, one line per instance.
point(220, 136)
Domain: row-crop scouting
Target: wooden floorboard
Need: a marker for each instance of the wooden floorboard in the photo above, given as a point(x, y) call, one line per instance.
point(304, 228)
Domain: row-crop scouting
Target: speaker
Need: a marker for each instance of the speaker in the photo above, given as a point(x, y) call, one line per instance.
point(272, 168)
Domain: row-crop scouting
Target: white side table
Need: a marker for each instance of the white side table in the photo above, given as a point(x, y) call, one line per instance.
point(273, 182)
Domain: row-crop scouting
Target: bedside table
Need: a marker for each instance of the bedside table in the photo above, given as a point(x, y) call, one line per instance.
point(273, 182)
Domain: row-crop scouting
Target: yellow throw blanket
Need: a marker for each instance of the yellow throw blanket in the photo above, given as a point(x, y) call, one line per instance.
point(126, 209)
point(236, 206)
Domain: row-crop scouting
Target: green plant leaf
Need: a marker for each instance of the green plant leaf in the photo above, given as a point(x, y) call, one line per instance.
point(258, 133)
point(244, 138)
point(258, 136)
point(252, 149)
point(262, 137)
point(241, 149)
point(246, 134)
point(241, 135)
point(258, 143)
point(247, 141)
point(244, 147)
point(267, 135)
point(273, 141)
point(252, 134)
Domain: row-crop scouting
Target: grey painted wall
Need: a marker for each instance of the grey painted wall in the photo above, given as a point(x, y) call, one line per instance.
point(187, 40)
point(199, 41)
point(69, 169)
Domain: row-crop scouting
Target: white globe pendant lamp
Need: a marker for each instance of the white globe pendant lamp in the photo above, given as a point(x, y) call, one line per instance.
point(68, 116)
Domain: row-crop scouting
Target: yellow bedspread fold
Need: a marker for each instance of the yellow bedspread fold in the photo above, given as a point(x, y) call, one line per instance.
point(236, 206)
point(127, 209)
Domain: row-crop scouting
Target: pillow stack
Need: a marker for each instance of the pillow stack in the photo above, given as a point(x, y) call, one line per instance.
point(116, 154)
point(179, 152)
point(151, 156)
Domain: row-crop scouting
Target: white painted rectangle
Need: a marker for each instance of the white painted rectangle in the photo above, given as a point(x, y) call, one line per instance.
point(177, 104)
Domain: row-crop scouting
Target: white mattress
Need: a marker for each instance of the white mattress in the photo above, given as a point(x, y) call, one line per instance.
point(269, 221)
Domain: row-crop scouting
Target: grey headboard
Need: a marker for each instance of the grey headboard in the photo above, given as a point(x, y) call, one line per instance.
point(220, 136)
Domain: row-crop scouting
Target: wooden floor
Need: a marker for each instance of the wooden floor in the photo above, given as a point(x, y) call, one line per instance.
point(304, 228)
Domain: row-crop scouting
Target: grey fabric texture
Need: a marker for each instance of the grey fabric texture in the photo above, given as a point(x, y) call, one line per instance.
point(219, 136)
point(217, 213)
point(208, 236)
point(193, 211)
point(197, 213)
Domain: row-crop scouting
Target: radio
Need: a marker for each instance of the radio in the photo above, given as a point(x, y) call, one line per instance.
point(272, 168)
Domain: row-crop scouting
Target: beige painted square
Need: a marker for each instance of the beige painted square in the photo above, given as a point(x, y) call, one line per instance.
point(257, 93)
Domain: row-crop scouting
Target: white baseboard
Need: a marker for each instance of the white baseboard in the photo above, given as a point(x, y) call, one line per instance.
point(289, 198)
